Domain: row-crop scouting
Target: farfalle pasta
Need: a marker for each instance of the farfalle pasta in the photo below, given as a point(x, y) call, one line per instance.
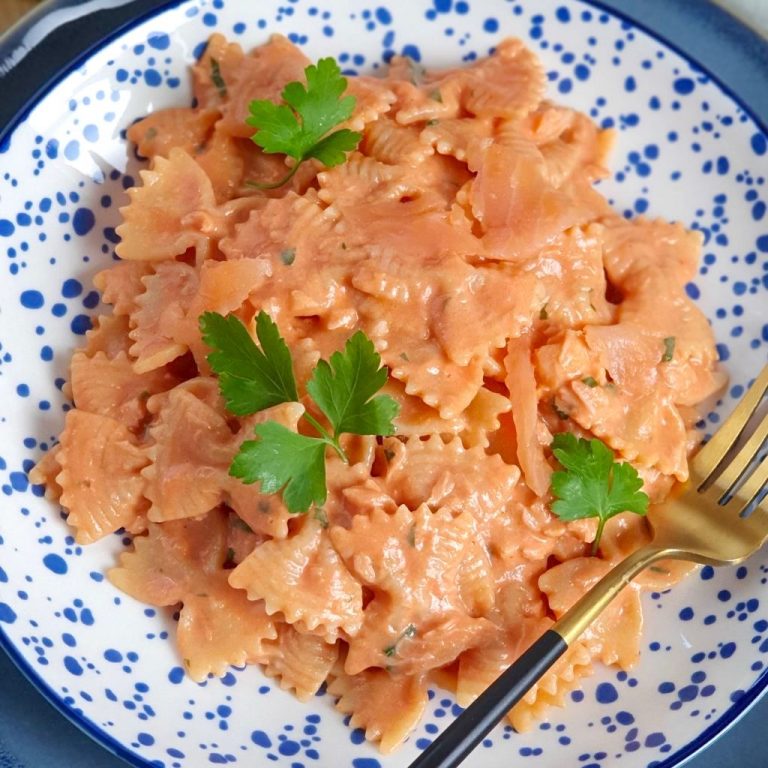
point(508, 302)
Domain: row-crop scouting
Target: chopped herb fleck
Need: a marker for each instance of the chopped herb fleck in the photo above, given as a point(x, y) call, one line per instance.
point(238, 522)
point(412, 539)
point(432, 122)
point(409, 632)
point(669, 349)
point(217, 79)
point(230, 561)
point(561, 414)
point(343, 246)
point(150, 134)
point(389, 454)
point(288, 256)
point(590, 381)
point(543, 314)
point(657, 569)
point(404, 356)
point(417, 71)
point(321, 517)
point(436, 95)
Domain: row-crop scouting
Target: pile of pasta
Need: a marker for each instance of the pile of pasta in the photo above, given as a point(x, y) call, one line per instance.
point(508, 301)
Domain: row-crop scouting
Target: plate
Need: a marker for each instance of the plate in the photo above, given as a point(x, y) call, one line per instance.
point(686, 150)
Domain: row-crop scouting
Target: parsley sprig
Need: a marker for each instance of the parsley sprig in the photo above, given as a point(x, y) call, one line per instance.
point(593, 484)
point(252, 378)
point(300, 127)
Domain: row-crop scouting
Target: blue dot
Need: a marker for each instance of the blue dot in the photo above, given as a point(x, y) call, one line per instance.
point(209, 19)
point(289, 747)
point(684, 85)
point(686, 614)
point(72, 665)
point(83, 221)
point(260, 739)
point(6, 228)
point(728, 650)
point(412, 51)
point(762, 243)
point(383, 16)
point(19, 481)
point(71, 288)
point(32, 299)
point(52, 149)
point(55, 563)
point(152, 77)
point(91, 133)
point(146, 739)
point(159, 41)
point(72, 150)
point(759, 144)
point(563, 15)
point(7, 614)
point(365, 762)
point(581, 71)
point(606, 693)
point(491, 25)
point(80, 324)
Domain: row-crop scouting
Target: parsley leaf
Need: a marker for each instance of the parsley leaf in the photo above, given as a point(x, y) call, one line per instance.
point(344, 390)
point(282, 459)
point(250, 379)
point(593, 483)
point(298, 128)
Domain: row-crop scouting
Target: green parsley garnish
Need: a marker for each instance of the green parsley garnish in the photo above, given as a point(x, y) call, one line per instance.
point(409, 632)
point(300, 127)
point(593, 484)
point(669, 349)
point(590, 381)
point(252, 378)
point(288, 256)
point(217, 79)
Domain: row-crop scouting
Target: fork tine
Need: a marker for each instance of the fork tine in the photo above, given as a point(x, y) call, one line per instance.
point(753, 486)
point(709, 457)
point(741, 461)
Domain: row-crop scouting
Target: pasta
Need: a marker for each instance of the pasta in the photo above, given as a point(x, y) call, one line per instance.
point(508, 302)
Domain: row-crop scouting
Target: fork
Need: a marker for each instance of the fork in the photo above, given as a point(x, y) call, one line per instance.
point(703, 523)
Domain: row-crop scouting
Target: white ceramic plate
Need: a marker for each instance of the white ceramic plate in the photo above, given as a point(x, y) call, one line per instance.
point(686, 151)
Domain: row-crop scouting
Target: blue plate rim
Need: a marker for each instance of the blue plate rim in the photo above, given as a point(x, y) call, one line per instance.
point(747, 49)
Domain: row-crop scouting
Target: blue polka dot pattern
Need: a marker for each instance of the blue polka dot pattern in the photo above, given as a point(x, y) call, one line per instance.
point(683, 150)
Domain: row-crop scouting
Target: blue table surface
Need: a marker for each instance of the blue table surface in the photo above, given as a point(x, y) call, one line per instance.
point(34, 735)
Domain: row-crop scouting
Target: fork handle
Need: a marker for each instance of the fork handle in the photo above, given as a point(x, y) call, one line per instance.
point(468, 730)
point(464, 733)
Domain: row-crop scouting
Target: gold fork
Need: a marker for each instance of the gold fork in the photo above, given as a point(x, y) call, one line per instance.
point(704, 523)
